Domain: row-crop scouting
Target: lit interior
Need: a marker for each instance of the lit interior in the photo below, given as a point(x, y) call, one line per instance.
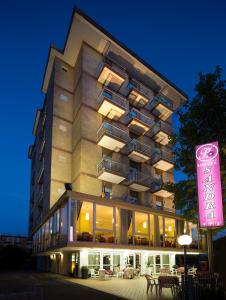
point(110, 110)
point(162, 112)
point(137, 98)
point(161, 137)
point(139, 124)
point(109, 76)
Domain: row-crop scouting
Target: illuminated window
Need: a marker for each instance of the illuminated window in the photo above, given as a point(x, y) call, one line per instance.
point(84, 221)
point(170, 232)
point(141, 228)
point(104, 224)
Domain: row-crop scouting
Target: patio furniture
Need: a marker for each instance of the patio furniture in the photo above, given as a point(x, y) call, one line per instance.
point(93, 273)
point(104, 274)
point(170, 282)
point(164, 271)
point(128, 273)
point(180, 270)
point(151, 282)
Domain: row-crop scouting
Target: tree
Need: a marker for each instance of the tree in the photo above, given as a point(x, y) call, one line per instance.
point(202, 120)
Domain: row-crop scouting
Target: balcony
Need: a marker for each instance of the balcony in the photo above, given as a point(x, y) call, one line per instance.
point(160, 132)
point(137, 98)
point(138, 151)
point(139, 122)
point(111, 74)
point(139, 181)
point(162, 159)
point(112, 137)
point(111, 171)
point(158, 187)
point(111, 104)
point(161, 107)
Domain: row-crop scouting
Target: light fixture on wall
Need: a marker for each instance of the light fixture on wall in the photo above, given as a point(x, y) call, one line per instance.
point(87, 216)
point(170, 228)
point(144, 225)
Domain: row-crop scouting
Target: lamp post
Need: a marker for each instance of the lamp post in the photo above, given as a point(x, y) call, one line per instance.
point(185, 240)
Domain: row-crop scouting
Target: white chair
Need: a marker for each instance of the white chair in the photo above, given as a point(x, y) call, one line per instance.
point(92, 273)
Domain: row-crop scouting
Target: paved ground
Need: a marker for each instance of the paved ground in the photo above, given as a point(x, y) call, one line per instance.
point(45, 286)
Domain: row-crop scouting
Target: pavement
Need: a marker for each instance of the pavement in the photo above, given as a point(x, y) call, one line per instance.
point(48, 286)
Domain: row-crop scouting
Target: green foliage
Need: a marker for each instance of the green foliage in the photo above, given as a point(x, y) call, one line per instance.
point(203, 120)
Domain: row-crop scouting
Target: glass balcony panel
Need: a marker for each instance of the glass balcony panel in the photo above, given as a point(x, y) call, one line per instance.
point(161, 132)
point(138, 151)
point(161, 107)
point(112, 137)
point(111, 104)
point(137, 99)
point(139, 122)
point(162, 159)
point(111, 171)
point(139, 181)
point(110, 73)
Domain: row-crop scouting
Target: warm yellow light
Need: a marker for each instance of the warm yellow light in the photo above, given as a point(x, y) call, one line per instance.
point(144, 225)
point(170, 228)
point(87, 216)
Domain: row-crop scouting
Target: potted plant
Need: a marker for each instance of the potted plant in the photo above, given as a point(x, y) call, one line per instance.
point(85, 272)
point(174, 268)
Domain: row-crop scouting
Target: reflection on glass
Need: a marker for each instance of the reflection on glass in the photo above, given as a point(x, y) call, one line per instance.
point(141, 229)
point(170, 232)
point(107, 261)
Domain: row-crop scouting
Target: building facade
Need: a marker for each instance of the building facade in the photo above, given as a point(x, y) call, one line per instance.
point(101, 159)
point(15, 240)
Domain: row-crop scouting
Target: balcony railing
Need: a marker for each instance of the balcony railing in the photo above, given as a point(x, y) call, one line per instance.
point(139, 121)
point(139, 181)
point(160, 132)
point(112, 137)
point(161, 100)
point(161, 107)
point(111, 73)
point(111, 171)
point(138, 151)
point(162, 159)
point(111, 104)
point(41, 172)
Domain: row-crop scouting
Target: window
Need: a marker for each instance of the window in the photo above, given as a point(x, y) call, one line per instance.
point(107, 261)
point(157, 263)
point(161, 231)
point(165, 261)
point(104, 224)
point(116, 260)
point(151, 229)
point(94, 261)
point(141, 229)
point(84, 221)
point(170, 232)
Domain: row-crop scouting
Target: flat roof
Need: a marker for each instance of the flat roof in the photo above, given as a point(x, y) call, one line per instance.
point(54, 51)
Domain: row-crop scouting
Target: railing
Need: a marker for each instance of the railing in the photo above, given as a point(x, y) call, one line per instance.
point(160, 100)
point(140, 178)
point(160, 125)
point(137, 115)
point(114, 97)
point(158, 154)
point(112, 65)
point(40, 172)
point(113, 131)
point(108, 164)
point(137, 146)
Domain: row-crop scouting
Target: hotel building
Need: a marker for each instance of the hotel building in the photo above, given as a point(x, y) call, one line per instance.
point(101, 159)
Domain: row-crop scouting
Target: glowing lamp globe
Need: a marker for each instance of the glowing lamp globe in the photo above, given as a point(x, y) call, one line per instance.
point(184, 240)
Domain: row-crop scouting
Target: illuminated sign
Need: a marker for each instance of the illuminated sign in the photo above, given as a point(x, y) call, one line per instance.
point(209, 186)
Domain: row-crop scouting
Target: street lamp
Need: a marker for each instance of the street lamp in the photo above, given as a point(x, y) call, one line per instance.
point(185, 240)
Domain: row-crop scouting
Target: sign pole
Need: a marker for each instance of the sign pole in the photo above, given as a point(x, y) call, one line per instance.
point(210, 249)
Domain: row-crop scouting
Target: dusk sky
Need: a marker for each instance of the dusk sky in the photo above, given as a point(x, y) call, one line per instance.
point(178, 38)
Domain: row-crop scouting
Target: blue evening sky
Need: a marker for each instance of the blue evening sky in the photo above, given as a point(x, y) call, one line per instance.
point(178, 38)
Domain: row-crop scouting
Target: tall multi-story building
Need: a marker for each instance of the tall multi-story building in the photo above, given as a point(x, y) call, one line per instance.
point(101, 158)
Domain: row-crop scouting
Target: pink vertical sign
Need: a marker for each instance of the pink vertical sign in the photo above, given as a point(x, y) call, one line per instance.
point(209, 186)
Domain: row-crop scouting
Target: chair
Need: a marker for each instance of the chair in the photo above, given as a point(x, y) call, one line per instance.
point(151, 283)
point(92, 273)
point(170, 282)
point(128, 273)
point(104, 274)
point(164, 271)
